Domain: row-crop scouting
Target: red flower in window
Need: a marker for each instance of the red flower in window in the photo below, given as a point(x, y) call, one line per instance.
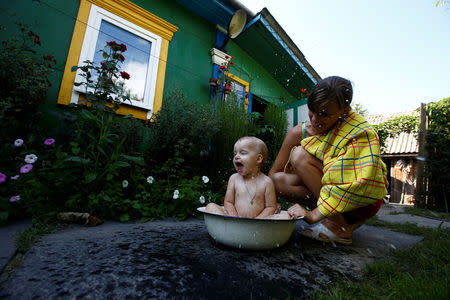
point(222, 67)
point(303, 90)
point(112, 44)
point(123, 47)
point(125, 75)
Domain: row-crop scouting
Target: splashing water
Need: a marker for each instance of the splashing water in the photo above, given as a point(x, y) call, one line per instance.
point(370, 251)
point(343, 229)
point(392, 246)
point(278, 245)
point(333, 244)
point(240, 246)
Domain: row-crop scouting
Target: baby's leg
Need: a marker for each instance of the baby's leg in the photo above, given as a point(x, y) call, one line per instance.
point(213, 208)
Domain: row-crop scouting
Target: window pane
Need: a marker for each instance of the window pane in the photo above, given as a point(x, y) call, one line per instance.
point(136, 57)
point(239, 89)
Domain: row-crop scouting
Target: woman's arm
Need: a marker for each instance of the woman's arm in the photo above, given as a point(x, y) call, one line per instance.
point(293, 138)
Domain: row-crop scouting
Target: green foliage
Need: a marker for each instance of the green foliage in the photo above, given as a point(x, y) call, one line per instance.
point(437, 166)
point(178, 138)
point(275, 120)
point(395, 126)
point(33, 234)
point(23, 82)
point(400, 277)
point(104, 89)
point(233, 123)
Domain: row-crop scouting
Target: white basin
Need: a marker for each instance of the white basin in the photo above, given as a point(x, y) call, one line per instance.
point(248, 233)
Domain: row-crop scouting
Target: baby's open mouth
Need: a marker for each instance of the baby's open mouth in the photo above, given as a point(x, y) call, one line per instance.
point(238, 164)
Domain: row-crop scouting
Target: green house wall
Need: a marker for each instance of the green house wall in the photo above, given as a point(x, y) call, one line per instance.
point(189, 65)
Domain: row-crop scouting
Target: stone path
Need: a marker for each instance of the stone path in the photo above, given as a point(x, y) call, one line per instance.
point(168, 259)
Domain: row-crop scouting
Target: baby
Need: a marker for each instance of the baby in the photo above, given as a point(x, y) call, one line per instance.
point(250, 193)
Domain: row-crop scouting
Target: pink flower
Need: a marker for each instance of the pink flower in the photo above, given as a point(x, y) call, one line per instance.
point(49, 141)
point(14, 198)
point(26, 168)
point(3, 177)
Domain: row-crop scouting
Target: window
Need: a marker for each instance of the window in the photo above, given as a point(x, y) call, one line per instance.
point(240, 87)
point(141, 57)
point(146, 37)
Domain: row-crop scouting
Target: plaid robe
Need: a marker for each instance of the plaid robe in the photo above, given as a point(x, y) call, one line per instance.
point(353, 173)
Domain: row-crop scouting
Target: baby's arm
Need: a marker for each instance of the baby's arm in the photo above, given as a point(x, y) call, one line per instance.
point(270, 199)
point(229, 200)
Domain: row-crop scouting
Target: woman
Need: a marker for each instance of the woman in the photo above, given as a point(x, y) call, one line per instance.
point(331, 163)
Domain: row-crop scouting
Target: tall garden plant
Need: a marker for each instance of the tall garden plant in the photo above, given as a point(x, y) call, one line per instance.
point(437, 164)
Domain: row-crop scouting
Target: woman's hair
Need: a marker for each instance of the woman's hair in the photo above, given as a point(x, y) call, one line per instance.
point(333, 88)
point(259, 145)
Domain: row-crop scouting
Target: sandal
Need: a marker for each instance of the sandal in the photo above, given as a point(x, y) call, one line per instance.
point(315, 231)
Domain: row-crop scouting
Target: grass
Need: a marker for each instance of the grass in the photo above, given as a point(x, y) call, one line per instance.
point(422, 272)
point(32, 235)
point(426, 213)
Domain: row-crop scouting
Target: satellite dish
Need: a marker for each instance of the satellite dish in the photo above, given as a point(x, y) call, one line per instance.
point(237, 23)
point(235, 27)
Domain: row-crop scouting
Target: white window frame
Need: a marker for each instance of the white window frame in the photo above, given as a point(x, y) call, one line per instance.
point(96, 16)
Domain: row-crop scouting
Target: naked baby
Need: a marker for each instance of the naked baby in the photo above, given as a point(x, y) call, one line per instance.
point(250, 193)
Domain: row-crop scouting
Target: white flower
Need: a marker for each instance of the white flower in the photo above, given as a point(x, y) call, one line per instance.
point(150, 179)
point(30, 158)
point(202, 199)
point(205, 179)
point(18, 142)
point(176, 193)
point(125, 183)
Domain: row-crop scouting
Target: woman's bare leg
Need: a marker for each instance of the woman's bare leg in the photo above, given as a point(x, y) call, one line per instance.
point(290, 187)
point(309, 170)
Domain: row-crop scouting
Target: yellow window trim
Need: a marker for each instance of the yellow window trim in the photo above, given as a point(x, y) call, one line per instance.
point(130, 12)
point(246, 84)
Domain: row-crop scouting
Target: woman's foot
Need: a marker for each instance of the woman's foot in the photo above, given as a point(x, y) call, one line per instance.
point(331, 229)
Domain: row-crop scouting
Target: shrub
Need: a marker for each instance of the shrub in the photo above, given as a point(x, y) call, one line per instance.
point(23, 82)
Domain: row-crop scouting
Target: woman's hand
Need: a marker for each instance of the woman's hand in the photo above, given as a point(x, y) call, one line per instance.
point(297, 211)
point(310, 217)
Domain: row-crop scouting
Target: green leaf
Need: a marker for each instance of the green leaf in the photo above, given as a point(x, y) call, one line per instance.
point(89, 177)
point(119, 164)
point(109, 176)
point(75, 150)
point(136, 159)
point(78, 159)
point(136, 206)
